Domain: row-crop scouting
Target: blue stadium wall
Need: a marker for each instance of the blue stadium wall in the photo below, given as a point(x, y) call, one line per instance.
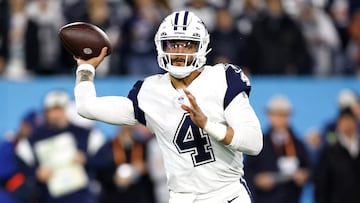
point(313, 99)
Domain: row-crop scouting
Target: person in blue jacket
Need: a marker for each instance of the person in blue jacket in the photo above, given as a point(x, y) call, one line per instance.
point(15, 187)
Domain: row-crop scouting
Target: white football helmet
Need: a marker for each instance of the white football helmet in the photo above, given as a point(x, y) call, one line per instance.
point(182, 25)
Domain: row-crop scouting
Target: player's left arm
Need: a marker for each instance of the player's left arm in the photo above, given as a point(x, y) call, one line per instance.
point(246, 131)
point(239, 115)
point(243, 132)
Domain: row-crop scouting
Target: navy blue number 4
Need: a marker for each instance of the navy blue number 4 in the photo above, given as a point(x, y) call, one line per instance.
point(191, 139)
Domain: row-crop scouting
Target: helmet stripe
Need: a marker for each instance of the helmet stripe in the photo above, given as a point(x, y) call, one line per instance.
point(176, 20)
point(185, 19)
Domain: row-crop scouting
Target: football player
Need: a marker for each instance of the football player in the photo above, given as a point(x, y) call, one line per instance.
point(200, 114)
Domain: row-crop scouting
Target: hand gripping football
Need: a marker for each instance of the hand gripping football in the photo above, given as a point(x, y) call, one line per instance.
point(84, 40)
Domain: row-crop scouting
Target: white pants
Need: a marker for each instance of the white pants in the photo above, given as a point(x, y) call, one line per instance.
point(236, 192)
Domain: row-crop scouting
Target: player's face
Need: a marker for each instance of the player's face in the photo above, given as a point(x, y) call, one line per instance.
point(56, 117)
point(347, 125)
point(180, 50)
point(278, 120)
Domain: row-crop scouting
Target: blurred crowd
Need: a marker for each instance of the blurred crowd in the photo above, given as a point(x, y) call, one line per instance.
point(326, 160)
point(57, 156)
point(265, 37)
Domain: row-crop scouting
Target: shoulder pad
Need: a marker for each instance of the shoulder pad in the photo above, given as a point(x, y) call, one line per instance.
point(139, 114)
point(237, 82)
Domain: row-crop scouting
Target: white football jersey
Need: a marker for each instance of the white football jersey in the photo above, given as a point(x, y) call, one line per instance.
point(195, 162)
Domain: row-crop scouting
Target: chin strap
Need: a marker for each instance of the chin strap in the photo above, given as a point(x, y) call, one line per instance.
point(208, 51)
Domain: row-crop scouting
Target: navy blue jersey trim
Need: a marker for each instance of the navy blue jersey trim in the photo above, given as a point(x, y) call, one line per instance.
point(185, 19)
point(139, 114)
point(235, 84)
point(243, 182)
point(176, 20)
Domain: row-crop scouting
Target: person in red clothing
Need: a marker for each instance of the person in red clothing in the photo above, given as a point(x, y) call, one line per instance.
point(15, 186)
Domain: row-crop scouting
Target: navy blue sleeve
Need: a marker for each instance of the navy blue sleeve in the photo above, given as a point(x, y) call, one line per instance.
point(139, 114)
point(237, 82)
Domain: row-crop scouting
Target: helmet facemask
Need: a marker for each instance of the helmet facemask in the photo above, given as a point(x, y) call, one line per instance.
point(181, 63)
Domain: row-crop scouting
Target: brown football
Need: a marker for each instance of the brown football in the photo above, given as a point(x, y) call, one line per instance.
point(84, 40)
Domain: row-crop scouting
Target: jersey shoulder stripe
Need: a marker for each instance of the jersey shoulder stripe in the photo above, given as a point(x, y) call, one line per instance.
point(237, 82)
point(133, 93)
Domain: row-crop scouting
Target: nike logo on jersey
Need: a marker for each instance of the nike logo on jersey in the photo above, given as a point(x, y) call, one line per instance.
point(233, 199)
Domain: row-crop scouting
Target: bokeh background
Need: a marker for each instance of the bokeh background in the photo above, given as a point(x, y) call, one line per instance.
point(307, 50)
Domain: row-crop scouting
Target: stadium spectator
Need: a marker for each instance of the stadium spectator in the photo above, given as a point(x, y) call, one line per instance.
point(175, 4)
point(339, 11)
point(164, 6)
point(15, 67)
point(347, 98)
point(98, 13)
point(44, 53)
point(68, 8)
point(337, 177)
point(352, 6)
point(121, 166)
point(314, 144)
point(244, 22)
point(110, 16)
point(321, 36)
point(156, 170)
point(245, 19)
point(227, 42)
point(206, 10)
point(282, 168)
point(138, 52)
point(354, 30)
point(15, 186)
point(4, 30)
point(277, 45)
point(238, 7)
point(56, 154)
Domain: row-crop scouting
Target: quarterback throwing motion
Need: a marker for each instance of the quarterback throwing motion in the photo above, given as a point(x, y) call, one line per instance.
point(200, 114)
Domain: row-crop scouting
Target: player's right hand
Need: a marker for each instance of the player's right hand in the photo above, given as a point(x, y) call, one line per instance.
point(93, 61)
point(196, 115)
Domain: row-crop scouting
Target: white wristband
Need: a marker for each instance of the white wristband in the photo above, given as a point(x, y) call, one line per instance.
point(235, 142)
point(216, 130)
point(85, 67)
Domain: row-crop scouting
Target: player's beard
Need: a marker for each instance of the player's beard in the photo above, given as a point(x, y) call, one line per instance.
point(180, 61)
